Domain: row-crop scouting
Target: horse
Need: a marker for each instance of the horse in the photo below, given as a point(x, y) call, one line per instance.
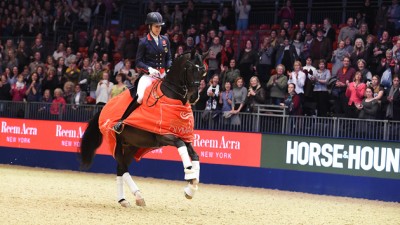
point(180, 84)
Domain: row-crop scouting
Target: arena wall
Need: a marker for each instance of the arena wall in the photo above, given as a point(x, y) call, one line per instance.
point(353, 168)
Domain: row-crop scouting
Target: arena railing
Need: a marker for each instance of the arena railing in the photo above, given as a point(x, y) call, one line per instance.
point(266, 119)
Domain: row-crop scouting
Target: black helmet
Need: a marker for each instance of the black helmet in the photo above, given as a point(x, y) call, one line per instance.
point(154, 18)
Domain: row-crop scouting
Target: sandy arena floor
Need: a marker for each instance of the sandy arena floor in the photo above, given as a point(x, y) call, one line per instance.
point(43, 196)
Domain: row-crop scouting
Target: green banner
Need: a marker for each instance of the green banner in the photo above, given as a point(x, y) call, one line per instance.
point(337, 156)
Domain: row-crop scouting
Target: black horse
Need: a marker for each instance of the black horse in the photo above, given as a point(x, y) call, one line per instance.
point(180, 83)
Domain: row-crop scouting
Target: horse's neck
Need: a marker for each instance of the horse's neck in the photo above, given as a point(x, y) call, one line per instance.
point(174, 89)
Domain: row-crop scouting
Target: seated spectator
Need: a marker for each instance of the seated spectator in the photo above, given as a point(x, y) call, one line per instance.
point(229, 74)
point(355, 92)
point(277, 85)
point(5, 89)
point(366, 75)
point(393, 101)
point(119, 87)
point(46, 100)
point(18, 90)
point(57, 103)
point(34, 86)
point(103, 89)
point(255, 95)
point(368, 109)
point(292, 101)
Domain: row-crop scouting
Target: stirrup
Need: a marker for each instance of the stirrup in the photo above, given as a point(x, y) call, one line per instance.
point(118, 127)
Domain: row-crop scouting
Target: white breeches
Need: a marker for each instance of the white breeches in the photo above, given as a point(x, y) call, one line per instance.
point(144, 82)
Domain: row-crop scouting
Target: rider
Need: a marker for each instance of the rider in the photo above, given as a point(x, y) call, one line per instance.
point(153, 58)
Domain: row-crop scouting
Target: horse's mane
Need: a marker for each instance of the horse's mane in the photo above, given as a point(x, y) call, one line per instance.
point(177, 63)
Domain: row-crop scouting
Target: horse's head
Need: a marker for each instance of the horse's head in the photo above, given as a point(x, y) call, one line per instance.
point(186, 73)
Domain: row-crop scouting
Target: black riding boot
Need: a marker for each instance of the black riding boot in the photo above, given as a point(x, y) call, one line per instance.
point(119, 126)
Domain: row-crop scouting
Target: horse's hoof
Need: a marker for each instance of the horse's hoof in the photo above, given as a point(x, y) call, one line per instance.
point(124, 203)
point(140, 202)
point(190, 190)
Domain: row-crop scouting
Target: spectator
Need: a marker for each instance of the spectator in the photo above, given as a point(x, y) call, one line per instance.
point(201, 98)
point(225, 100)
point(320, 80)
point(85, 13)
point(119, 87)
point(286, 55)
point(177, 16)
point(105, 63)
point(11, 59)
point(329, 32)
point(386, 69)
point(393, 101)
point(50, 81)
point(68, 91)
point(108, 44)
point(382, 46)
point(287, 12)
point(344, 76)
point(366, 75)
point(337, 58)
point(381, 19)
point(79, 97)
point(214, 60)
point(103, 90)
point(393, 18)
point(23, 55)
point(368, 13)
point(45, 101)
point(50, 64)
point(5, 89)
point(298, 77)
point(277, 85)
point(202, 46)
point(298, 43)
point(376, 88)
point(369, 51)
point(85, 74)
point(274, 38)
point(369, 106)
point(264, 62)
point(348, 31)
point(227, 52)
point(214, 23)
point(362, 32)
point(355, 92)
point(189, 44)
point(247, 62)
point(358, 53)
point(57, 103)
point(321, 49)
point(60, 70)
point(71, 42)
point(72, 73)
point(348, 45)
point(18, 89)
point(292, 101)
point(121, 43)
point(33, 91)
point(69, 56)
point(242, 9)
point(238, 100)
point(189, 14)
point(309, 69)
point(179, 51)
point(130, 48)
point(306, 50)
point(60, 51)
point(94, 79)
point(255, 95)
point(229, 74)
point(227, 20)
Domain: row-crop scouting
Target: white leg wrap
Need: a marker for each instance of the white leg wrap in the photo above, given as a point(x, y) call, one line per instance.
point(184, 156)
point(144, 82)
point(131, 184)
point(120, 188)
point(196, 168)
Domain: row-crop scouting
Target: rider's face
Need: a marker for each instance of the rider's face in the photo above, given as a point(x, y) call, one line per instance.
point(156, 29)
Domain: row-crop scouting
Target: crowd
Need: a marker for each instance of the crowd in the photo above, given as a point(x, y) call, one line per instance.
point(317, 69)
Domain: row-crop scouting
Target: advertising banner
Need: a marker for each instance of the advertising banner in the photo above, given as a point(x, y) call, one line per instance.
point(215, 147)
point(337, 156)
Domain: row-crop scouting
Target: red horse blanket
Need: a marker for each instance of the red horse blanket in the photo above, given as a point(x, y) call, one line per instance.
point(160, 115)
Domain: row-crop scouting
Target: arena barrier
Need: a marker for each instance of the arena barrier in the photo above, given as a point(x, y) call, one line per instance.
point(329, 166)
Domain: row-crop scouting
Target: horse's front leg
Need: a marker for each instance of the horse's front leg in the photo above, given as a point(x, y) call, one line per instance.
point(190, 172)
point(192, 186)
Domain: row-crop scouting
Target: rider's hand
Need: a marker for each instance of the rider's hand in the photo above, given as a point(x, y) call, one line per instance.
point(153, 72)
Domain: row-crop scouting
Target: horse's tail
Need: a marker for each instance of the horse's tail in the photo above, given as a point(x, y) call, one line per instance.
point(90, 141)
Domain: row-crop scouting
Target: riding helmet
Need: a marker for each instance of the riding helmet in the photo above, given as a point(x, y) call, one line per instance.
point(154, 18)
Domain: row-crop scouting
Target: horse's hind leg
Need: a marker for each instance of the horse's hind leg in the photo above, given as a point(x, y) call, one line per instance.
point(124, 159)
